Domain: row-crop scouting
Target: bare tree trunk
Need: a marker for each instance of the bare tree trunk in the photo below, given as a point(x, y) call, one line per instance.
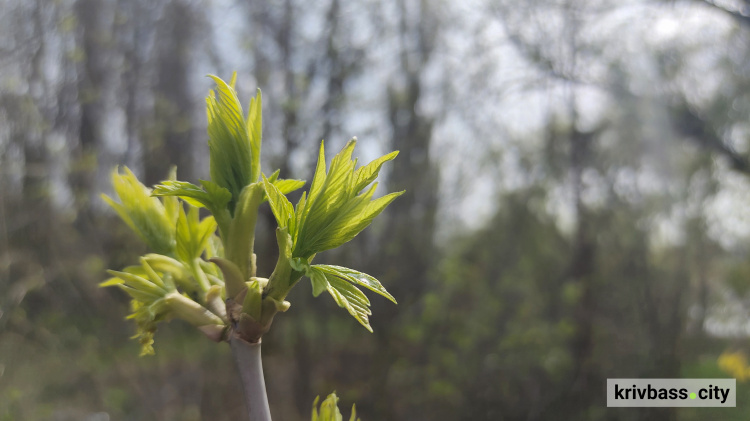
point(91, 88)
point(408, 251)
point(171, 140)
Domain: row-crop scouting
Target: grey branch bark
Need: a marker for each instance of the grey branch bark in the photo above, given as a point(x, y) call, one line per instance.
point(248, 360)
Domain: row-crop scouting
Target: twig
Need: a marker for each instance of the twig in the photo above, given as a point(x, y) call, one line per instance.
point(249, 364)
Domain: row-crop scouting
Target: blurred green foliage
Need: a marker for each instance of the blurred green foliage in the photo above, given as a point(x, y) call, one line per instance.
point(600, 244)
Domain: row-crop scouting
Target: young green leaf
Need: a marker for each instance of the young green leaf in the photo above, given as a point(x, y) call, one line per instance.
point(355, 277)
point(289, 185)
point(214, 197)
point(333, 231)
point(318, 280)
point(329, 410)
point(285, 186)
point(146, 317)
point(349, 297)
point(144, 214)
point(364, 176)
point(171, 203)
point(280, 206)
point(192, 234)
point(335, 211)
point(169, 268)
point(350, 223)
point(233, 141)
point(146, 288)
point(255, 128)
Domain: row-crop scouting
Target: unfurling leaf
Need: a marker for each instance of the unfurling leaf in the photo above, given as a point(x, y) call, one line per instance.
point(211, 196)
point(329, 410)
point(288, 185)
point(233, 278)
point(319, 281)
point(356, 277)
point(353, 300)
point(233, 141)
point(192, 234)
point(178, 280)
point(339, 282)
point(280, 206)
point(285, 186)
point(144, 214)
point(336, 209)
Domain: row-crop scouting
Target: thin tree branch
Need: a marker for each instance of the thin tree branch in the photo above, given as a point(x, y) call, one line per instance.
point(689, 124)
point(248, 359)
point(739, 15)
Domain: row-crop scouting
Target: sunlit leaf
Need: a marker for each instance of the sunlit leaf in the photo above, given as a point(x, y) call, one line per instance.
point(146, 317)
point(280, 206)
point(352, 299)
point(318, 280)
point(348, 225)
point(144, 214)
point(319, 178)
point(255, 128)
point(328, 410)
point(233, 141)
point(355, 277)
point(287, 186)
point(335, 211)
point(192, 234)
point(214, 197)
point(365, 175)
point(138, 283)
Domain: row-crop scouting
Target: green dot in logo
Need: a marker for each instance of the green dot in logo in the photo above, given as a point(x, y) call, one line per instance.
point(692, 395)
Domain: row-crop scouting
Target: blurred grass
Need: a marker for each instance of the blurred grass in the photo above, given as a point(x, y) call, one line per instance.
point(706, 367)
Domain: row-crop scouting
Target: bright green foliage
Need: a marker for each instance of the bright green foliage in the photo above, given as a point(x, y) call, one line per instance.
point(153, 285)
point(329, 410)
point(192, 234)
point(154, 298)
point(145, 215)
point(335, 211)
point(211, 196)
point(160, 285)
point(285, 186)
point(338, 281)
point(355, 277)
point(233, 141)
point(210, 281)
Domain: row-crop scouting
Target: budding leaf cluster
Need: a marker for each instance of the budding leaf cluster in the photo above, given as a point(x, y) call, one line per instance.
point(202, 269)
point(329, 411)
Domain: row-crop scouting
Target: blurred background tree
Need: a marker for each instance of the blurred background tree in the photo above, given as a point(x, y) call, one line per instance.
point(576, 176)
